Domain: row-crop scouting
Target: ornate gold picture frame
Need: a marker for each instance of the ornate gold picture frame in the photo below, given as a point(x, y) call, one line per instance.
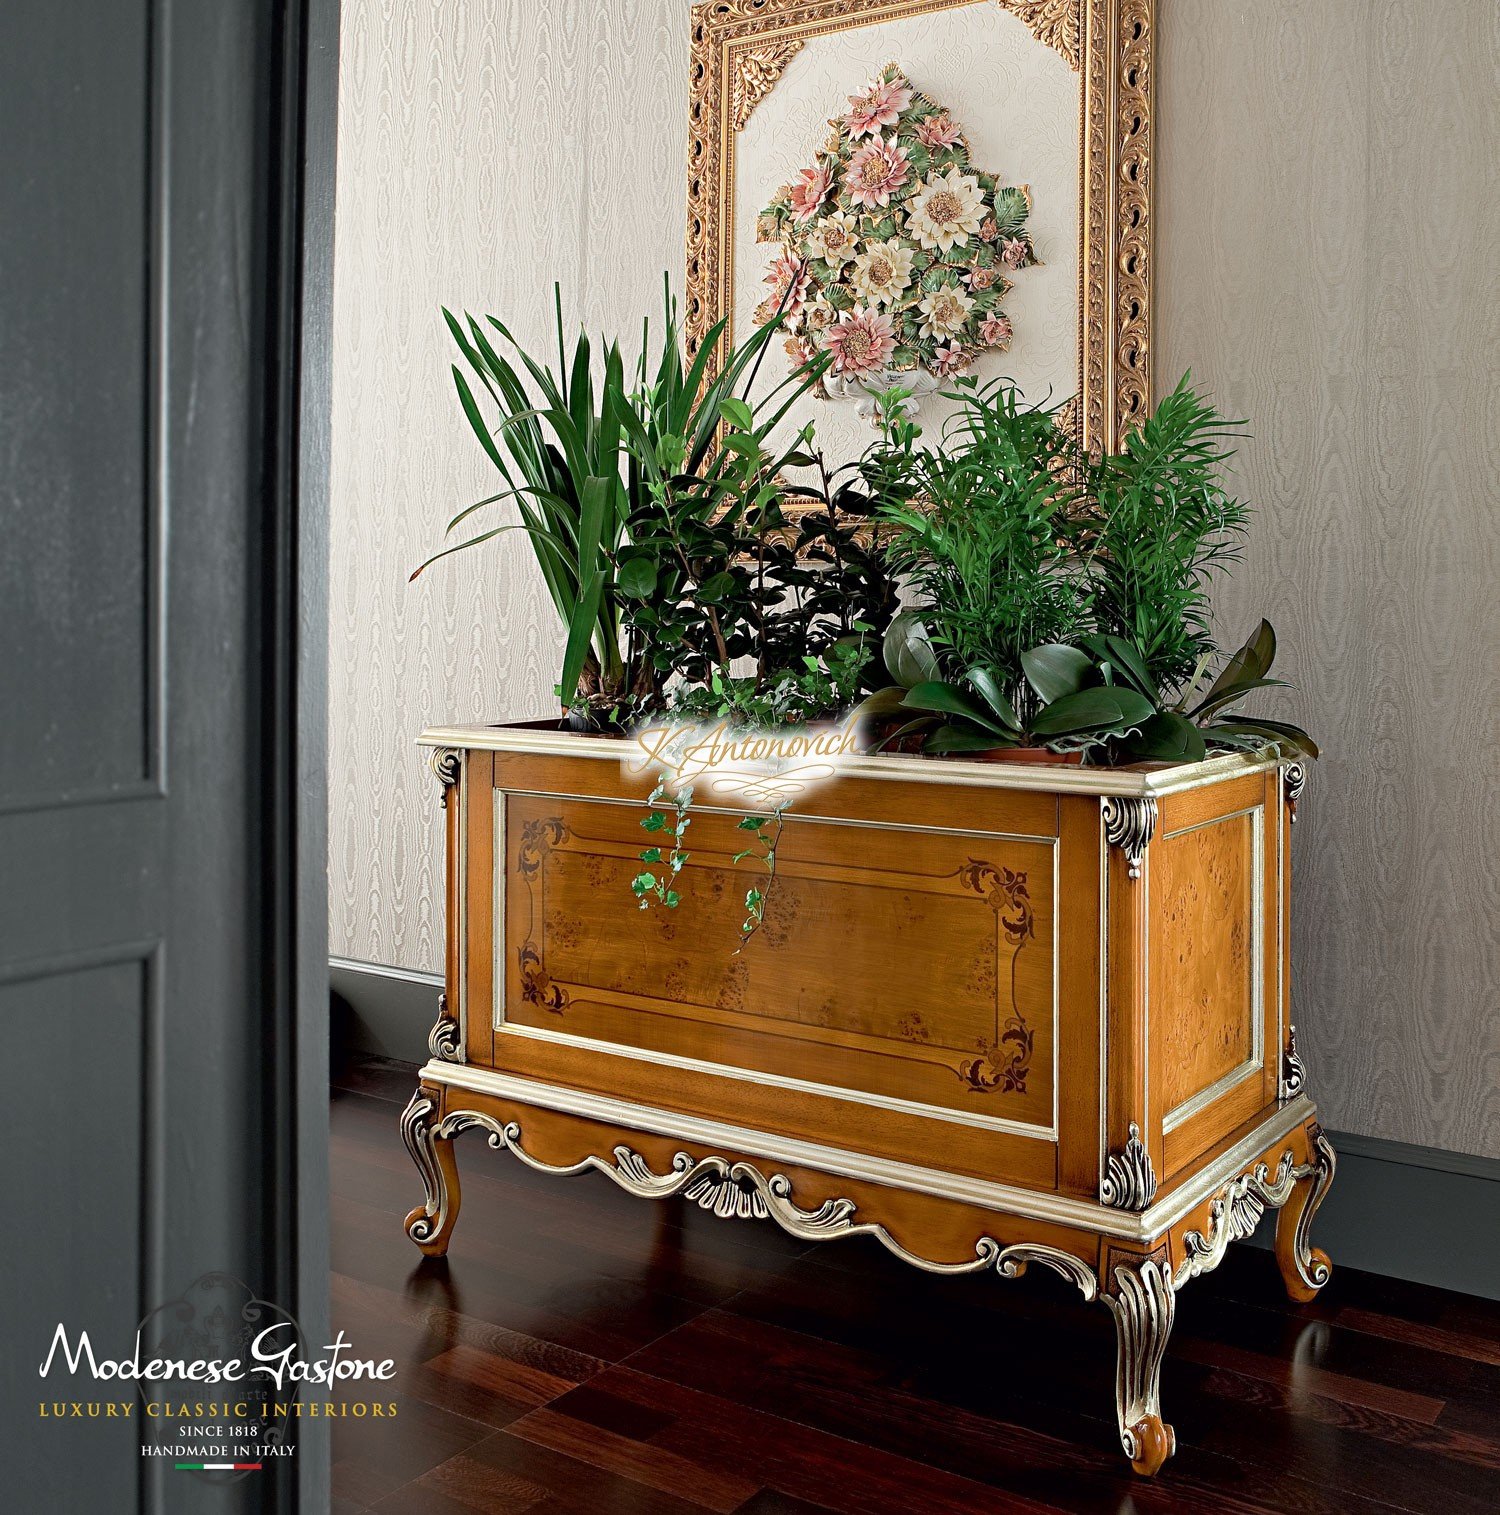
point(742, 48)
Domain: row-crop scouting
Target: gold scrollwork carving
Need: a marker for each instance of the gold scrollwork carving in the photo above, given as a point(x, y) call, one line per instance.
point(755, 74)
point(1056, 23)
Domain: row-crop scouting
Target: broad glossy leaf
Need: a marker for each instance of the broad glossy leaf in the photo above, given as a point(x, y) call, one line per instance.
point(1127, 657)
point(1226, 697)
point(1056, 669)
point(1252, 661)
point(1107, 708)
point(957, 739)
point(987, 686)
point(908, 651)
point(1275, 733)
point(945, 699)
point(715, 590)
point(1169, 737)
point(737, 413)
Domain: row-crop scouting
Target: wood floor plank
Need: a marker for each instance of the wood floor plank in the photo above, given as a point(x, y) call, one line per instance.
point(1464, 1344)
point(582, 1352)
point(639, 1461)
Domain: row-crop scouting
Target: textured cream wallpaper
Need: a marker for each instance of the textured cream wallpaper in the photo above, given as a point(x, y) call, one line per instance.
point(486, 148)
point(1327, 232)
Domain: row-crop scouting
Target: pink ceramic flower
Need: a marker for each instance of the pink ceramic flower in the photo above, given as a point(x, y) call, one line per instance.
point(861, 342)
point(989, 229)
point(948, 357)
point(938, 132)
point(809, 193)
point(880, 105)
point(875, 173)
point(995, 330)
point(1013, 253)
point(982, 278)
point(788, 280)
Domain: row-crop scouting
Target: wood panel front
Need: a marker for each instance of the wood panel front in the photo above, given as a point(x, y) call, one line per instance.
point(914, 967)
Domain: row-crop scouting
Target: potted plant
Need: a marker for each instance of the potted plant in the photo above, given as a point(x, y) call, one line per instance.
point(993, 1014)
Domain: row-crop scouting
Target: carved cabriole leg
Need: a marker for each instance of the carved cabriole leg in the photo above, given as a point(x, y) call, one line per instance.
point(1140, 1295)
point(431, 1224)
point(1304, 1268)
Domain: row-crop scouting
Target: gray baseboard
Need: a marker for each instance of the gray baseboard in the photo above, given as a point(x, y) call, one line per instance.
point(1409, 1212)
point(382, 1012)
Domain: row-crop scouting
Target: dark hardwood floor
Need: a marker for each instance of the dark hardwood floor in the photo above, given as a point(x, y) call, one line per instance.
point(581, 1350)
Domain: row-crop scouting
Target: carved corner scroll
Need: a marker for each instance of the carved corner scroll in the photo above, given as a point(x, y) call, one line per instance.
point(443, 1040)
point(741, 48)
point(1293, 1074)
point(446, 764)
point(1129, 1181)
point(1129, 824)
point(1294, 781)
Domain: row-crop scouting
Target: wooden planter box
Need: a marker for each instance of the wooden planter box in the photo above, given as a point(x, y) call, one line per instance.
point(996, 1016)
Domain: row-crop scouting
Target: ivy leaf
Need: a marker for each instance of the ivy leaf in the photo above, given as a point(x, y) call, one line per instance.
point(651, 855)
point(672, 899)
point(656, 821)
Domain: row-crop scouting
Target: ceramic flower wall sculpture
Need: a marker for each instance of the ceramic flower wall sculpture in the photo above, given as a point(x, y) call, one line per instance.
point(892, 249)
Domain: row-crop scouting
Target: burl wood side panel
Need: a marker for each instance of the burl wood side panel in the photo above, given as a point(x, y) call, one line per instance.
point(916, 966)
point(1213, 972)
point(1202, 970)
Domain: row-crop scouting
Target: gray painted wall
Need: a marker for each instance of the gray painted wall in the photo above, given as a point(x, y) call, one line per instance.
point(1326, 229)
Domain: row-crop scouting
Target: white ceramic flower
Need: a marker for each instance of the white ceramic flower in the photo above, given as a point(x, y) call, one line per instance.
point(834, 239)
point(944, 311)
point(882, 271)
point(947, 210)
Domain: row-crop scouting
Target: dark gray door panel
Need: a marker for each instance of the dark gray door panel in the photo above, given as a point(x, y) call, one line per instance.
point(158, 862)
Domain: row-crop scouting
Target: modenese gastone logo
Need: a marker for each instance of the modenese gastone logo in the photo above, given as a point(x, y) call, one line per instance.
point(271, 1357)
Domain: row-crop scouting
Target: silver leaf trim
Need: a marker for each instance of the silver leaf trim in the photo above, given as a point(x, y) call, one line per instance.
point(739, 1190)
point(1129, 1181)
point(446, 764)
point(1129, 824)
point(1293, 1074)
point(1144, 1306)
point(1294, 780)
